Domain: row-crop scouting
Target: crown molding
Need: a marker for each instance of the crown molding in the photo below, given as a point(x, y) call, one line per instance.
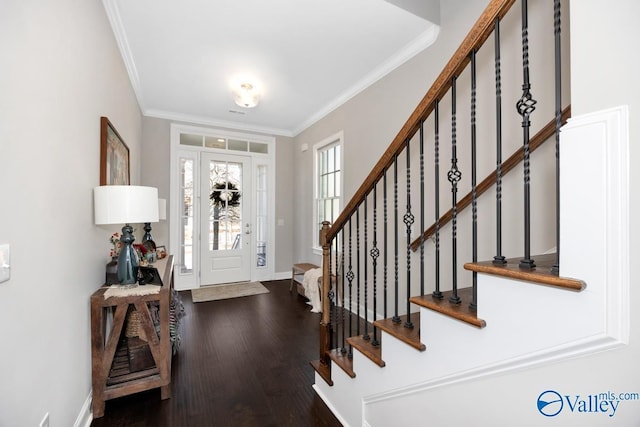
point(416, 46)
point(113, 14)
point(208, 121)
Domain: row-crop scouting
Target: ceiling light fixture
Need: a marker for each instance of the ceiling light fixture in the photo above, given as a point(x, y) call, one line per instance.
point(246, 95)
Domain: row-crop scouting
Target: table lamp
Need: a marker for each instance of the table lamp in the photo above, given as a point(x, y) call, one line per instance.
point(126, 204)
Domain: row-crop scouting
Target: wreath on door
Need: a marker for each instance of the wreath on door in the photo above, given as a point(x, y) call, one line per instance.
point(225, 194)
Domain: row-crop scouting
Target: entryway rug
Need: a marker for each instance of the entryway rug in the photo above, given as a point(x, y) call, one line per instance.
point(233, 290)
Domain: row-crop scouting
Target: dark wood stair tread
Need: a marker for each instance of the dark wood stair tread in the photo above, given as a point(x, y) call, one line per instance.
point(364, 346)
point(541, 274)
point(457, 311)
point(343, 361)
point(409, 336)
point(323, 369)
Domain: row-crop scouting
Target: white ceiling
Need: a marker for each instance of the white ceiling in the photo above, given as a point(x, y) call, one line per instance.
point(309, 56)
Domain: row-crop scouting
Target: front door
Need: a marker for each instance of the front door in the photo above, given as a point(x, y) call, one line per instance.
point(225, 219)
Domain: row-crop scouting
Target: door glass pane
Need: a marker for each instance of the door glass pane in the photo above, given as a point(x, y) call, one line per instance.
point(194, 140)
point(225, 195)
point(259, 147)
point(186, 213)
point(237, 145)
point(261, 220)
point(214, 142)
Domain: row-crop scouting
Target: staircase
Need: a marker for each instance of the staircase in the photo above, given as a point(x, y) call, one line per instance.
point(414, 313)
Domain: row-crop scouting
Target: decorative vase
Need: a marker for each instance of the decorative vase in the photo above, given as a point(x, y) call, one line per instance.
point(112, 271)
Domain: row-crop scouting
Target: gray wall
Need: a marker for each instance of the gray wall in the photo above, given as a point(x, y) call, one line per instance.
point(61, 71)
point(372, 119)
point(156, 140)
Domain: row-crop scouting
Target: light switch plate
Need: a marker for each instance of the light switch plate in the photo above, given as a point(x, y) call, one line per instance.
point(5, 262)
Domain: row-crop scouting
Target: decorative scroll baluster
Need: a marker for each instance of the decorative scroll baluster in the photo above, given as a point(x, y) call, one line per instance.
point(375, 253)
point(350, 277)
point(336, 290)
point(558, 96)
point(408, 222)
point(525, 106)
point(454, 175)
point(422, 208)
point(358, 271)
point(437, 293)
point(333, 339)
point(344, 349)
point(474, 195)
point(396, 317)
point(498, 259)
point(386, 269)
point(365, 336)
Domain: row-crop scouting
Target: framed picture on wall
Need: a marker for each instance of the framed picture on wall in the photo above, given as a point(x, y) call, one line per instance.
point(114, 156)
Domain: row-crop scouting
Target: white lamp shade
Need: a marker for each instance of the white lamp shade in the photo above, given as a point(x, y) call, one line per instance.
point(162, 209)
point(125, 204)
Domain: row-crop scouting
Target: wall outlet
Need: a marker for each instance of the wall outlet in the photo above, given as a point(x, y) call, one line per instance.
point(45, 421)
point(5, 262)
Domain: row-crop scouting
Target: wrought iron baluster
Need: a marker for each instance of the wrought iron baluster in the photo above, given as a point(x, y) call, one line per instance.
point(421, 208)
point(342, 232)
point(385, 245)
point(333, 339)
point(498, 259)
point(525, 107)
point(350, 277)
point(454, 175)
point(396, 318)
point(358, 270)
point(558, 96)
point(375, 253)
point(336, 290)
point(474, 195)
point(408, 222)
point(436, 115)
point(365, 336)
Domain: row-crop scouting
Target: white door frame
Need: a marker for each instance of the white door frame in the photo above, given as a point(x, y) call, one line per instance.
point(191, 280)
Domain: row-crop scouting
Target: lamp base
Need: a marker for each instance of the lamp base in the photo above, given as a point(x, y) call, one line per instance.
point(128, 259)
point(147, 240)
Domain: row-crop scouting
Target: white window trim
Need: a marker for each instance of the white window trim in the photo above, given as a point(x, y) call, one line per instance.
point(339, 138)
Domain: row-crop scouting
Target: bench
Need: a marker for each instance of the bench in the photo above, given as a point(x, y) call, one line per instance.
point(297, 274)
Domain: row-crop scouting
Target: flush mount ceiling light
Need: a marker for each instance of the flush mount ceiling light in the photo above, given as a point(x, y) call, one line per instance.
point(246, 95)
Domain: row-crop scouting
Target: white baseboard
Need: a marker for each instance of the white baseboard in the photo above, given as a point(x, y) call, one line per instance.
point(282, 275)
point(85, 416)
point(330, 405)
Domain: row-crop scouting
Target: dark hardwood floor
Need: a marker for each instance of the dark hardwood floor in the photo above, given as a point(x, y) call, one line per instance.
point(242, 362)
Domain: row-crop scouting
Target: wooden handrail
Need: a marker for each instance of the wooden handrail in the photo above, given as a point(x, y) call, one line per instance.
point(481, 30)
point(538, 139)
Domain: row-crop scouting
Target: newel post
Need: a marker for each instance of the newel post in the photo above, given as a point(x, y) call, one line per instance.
point(325, 323)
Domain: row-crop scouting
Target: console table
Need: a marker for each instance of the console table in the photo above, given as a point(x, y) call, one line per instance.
point(115, 371)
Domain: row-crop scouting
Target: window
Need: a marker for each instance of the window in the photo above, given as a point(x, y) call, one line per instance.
point(186, 189)
point(328, 183)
